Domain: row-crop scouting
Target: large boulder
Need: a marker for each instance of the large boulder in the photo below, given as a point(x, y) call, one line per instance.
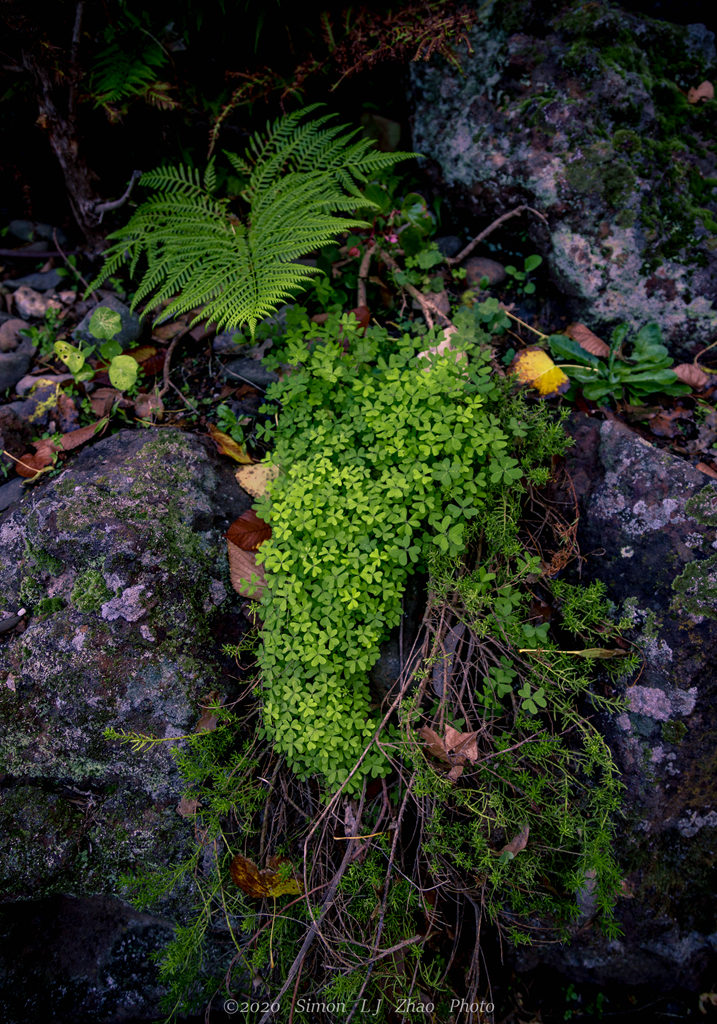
point(121, 564)
point(583, 112)
point(647, 530)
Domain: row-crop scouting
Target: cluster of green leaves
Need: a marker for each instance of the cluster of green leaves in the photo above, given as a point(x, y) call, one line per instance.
point(297, 177)
point(646, 371)
point(384, 454)
point(105, 324)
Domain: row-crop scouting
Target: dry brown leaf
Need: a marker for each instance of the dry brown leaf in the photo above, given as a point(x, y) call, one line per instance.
point(587, 340)
point(260, 884)
point(704, 91)
point(435, 744)
point(692, 375)
point(242, 566)
point(517, 843)
point(226, 445)
point(148, 406)
point(165, 332)
point(30, 464)
point(77, 437)
point(143, 353)
point(462, 744)
point(255, 479)
point(664, 423)
point(103, 399)
point(187, 807)
point(704, 467)
point(208, 720)
point(248, 531)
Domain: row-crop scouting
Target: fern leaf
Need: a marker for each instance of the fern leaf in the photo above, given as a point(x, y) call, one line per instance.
point(303, 178)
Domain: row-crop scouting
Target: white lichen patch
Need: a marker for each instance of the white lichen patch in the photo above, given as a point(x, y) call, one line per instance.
point(147, 633)
point(127, 606)
point(693, 821)
point(78, 640)
point(659, 704)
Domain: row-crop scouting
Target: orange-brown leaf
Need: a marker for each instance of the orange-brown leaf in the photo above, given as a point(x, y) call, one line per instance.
point(692, 375)
point(242, 567)
point(103, 399)
point(517, 843)
point(187, 806)
point(704, 467)
point(462, 745)
point(77, 437)
point(255, 479)
point(534, 367)
point(587, 340)
point(434, 743)
point(148, 406)
point(260, 884)
point(30, 464)
point(228, 446)
point(704, 91)
point(248, 531)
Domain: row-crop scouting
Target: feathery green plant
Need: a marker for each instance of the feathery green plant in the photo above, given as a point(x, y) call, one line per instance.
point(299, 175)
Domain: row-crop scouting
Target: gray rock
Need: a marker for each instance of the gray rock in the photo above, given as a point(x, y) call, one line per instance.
point(14, 365)
point(43, 281)
point(10, 492)
point(131, 326)
point(128, 541)
point(248, 371)
point(648, 524)
point(27, 230)
point(539, 114)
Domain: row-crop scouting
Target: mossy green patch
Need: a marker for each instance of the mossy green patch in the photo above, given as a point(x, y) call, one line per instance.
point(90, 591)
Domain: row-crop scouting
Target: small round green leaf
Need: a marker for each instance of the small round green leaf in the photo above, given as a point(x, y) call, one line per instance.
point(123, 372)
point(105, 323)
point(72, 357)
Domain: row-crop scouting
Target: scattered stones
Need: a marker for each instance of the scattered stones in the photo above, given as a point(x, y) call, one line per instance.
point(30, 303)
point(42, 281)
point(15, 364)
point(10, 337)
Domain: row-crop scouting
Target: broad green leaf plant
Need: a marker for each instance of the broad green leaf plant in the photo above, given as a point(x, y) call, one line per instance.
point(299, 178)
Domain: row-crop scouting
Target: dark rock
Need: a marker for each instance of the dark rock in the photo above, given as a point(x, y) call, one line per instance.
point(128, 541)
point(15, 364)
point(449, 245)
point(581, 113)
point(647, 526)
point(131, 326)
point(10, 337)
point(228, 343)
point(10, 492)
point(478, 267)
point(248, 371)
point(27, 230)
point(43, 281)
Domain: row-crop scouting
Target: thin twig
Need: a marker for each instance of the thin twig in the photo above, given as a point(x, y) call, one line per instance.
point(166, 383)
point(452, 260)
point(362, 275)
point(69, 266)
point(114, 204)
point(428, 307)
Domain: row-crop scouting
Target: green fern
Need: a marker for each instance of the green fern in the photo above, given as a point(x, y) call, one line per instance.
point(299, 176)
point(125, 68)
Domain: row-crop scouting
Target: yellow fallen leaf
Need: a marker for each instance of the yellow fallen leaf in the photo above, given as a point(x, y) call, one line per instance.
point(534, 367)
point(267, 882)
point(254, 479)
point(226, 445)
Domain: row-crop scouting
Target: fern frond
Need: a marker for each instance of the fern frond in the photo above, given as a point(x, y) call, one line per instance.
point(303, 178)
point(124, 69)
